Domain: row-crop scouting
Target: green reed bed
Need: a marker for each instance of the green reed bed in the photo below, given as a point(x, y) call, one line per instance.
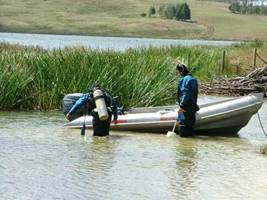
point(33, 78)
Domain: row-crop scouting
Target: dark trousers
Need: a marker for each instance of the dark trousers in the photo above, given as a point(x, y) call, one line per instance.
point(186, 127)
point(101, 128)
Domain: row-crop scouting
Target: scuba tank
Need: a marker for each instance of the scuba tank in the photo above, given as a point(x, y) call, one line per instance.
point(100, 105)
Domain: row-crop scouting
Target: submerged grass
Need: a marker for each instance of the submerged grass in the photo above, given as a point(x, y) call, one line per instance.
point(34, 78)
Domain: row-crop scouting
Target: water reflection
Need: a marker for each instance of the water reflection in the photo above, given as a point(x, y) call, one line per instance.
point(41, 160)
point(186, 166)
point(94, 165)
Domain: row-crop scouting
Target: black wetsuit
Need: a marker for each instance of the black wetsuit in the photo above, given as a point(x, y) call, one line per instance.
point(187, 94)
point(100, 127)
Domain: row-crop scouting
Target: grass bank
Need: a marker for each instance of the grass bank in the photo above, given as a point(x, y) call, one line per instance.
point(33, 78)
point(210, 20)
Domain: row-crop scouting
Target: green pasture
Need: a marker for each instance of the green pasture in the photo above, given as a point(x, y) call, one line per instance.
point(210, 20)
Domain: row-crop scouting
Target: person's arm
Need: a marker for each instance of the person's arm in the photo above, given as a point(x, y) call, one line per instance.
point(194, 87)
point(78, 104)
point(178, 93)
point(186, 93)
point(178, 96)
point(114, 107)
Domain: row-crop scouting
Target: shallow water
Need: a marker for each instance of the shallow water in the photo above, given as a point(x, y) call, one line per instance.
point(39, 159)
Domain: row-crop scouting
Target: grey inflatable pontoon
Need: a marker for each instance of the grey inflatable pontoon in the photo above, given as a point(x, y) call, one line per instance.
point(225, 117)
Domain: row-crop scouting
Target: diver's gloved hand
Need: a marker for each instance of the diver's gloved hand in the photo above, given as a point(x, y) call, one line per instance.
point(68, 116)
point(180, 117)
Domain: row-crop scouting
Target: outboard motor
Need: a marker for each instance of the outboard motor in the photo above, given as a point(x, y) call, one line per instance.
point(68, 101)
point(100, 104)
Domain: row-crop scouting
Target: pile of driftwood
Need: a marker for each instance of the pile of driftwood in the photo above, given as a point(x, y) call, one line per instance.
point(255, 81)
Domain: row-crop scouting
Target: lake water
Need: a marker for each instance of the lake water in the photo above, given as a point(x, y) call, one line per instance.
point(39, 159)
point(102, 43)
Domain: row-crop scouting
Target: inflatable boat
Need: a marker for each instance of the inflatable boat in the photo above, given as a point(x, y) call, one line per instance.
point(225, 117)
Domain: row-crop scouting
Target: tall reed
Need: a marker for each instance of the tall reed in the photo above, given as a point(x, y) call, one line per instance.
point(33, 78)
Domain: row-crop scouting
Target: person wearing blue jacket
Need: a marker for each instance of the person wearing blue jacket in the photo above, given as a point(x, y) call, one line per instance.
point(100, 127)
point(187, 94)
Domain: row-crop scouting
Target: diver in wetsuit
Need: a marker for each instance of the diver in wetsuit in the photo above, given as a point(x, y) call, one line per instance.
point(187, 94)
point(101, 106)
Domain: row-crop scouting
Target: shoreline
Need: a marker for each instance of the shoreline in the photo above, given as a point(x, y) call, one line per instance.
point(129, 36)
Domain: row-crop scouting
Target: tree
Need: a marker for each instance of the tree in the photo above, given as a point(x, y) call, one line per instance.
point(169, 11)
point(183, 12)
point(178, 8)
point(178, 12)
point(250, 9)
point(187, 11)
point(152, 11)
point(257, 10)
point(264, 10)
point(161, 10)
point(246, 7)
point(243, 9)
point(235, 7)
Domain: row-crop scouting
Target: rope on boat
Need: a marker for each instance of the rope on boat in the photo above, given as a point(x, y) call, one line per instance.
point(263, 149)
point(263, 130)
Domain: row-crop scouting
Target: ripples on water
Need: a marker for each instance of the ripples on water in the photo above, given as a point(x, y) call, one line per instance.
point(41, 160)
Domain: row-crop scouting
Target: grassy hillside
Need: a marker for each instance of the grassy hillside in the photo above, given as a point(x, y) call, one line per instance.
point(210, 20)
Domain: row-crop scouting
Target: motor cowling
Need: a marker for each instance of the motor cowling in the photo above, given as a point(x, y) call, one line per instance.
point(100, 104)
point(68, 101)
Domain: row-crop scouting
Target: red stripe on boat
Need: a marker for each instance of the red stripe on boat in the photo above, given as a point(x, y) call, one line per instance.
point(167, 118)
point(120, 121)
